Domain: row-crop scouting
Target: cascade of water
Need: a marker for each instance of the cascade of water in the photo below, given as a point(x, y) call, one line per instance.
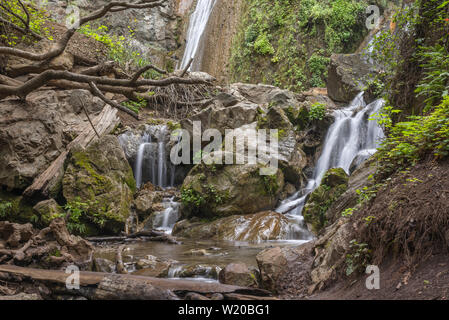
point(145, 142)
point(152, 163)
point(197, 25)
point(166, 219)
point(352, 135)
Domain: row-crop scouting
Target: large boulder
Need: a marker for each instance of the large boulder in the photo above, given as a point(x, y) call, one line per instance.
point(35, 132)
point(218, 190)
point(283, 269)
point(101, 178)
point(263, 94)
point(292, 159)
point(216, 116)
point(261, 226)
point(347, 75)
point(333, 185)
point(238, 274)
point(330, 254)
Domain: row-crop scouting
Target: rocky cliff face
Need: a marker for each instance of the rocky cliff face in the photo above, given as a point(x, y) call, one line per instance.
point(218, 39)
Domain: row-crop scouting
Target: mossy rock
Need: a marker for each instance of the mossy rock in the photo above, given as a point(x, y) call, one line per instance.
point(333, 185)
point(335, 177)
point(215, 191)
point(15, 208)
point(47, 211)
point(100, 177)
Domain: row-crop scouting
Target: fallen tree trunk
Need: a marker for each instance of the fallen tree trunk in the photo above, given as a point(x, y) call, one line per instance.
point(150, 235)
point(97, 286)
point(46, 181)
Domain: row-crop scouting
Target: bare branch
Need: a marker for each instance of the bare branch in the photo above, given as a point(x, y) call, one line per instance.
point(62, 43)
point(95, 91)
point(145, 69)
point(88, 118)
point(44, 77)
point(184, 71)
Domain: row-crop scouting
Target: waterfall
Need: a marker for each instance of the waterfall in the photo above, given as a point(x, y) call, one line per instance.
point(351, 139)
point(197, 25)
point(166, 219)
point(152, 162)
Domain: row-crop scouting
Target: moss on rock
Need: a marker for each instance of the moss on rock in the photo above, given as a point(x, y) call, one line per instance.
point(333, 185)
point(213, 191)
point(101, 177)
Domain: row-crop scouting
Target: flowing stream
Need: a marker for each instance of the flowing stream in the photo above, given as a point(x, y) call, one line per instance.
point(350, 140)
point(197, 25)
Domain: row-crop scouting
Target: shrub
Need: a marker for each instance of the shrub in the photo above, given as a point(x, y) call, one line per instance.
point(411, 140)
point(317, 112)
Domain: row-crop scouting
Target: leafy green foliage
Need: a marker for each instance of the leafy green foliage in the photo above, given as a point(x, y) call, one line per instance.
point(76, 210)
point(263, 46)
point(358, 259)
point(119, 48)
point(38, 18)
point(348, 212)
point(282, 36)
point(5, 208)
point(411, 140)
point(434, 85)
point(135, 105)
point(318, 68)
point(317, 111)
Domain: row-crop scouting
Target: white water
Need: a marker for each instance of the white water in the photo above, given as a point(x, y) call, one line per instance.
point(351, 136)
point(152, 162)
point(166, 219)
point(197, 25)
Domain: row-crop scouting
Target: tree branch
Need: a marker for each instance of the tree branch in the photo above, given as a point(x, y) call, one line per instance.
point(62, 43)
point(95, 91)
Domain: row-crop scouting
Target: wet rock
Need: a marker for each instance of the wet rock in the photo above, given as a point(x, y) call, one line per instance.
point(333, 185)
point(197, 271)
point(288, 191)
point(34, 133)
point(101, 177)
point(104, 265)
point(146, 201)
point(238, 274)
point(48, 210)
point(262, 226)
point(153, 267)
point(199, 252)
point(218, 190)
point(346, 76)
